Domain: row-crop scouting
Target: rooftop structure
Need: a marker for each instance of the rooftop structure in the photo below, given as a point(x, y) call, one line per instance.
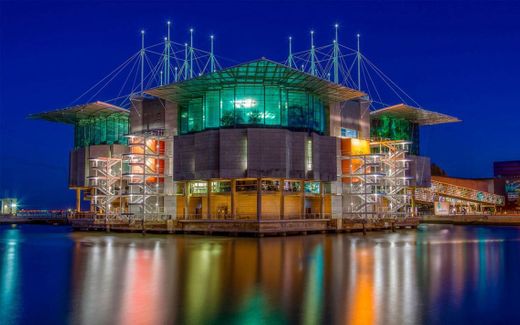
point(403, 122)
point(74, 114)
point(412, 114)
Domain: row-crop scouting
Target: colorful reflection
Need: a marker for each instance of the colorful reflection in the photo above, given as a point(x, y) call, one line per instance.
point(9, 274)
point(443, 274)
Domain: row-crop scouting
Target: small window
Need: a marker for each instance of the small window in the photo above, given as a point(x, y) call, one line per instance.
point(349, 133)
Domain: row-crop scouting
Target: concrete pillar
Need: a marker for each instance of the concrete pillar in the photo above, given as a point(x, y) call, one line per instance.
point(282, 199)
point(233, 198)
point(302, 199)
point(92, 208)
point(78, 199)
point(208, 196)
point(258, 199)
point(186, 200)
point(322, 200)
point(413, 202)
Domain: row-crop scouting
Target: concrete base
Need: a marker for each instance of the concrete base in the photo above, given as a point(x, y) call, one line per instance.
point(244, 227)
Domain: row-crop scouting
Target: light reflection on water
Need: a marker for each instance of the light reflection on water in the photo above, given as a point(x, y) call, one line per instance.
point(444, 274)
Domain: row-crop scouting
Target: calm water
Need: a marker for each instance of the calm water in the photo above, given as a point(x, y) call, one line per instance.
point(443, 274)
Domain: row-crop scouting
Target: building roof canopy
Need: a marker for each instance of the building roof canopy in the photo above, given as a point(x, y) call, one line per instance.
point(71, 115)
point(261, 71)
point(413, 114)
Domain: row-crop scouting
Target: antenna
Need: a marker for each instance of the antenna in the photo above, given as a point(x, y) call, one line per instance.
point(191, 53)
point(290, 58)
point(358, 64)
point(185, 61)
point(335, 55)
point(176, 78)
point(166, 67)
point(313, 54)
point(167, 63)
point(161, 78)
point(212, 56)
point(142, 61)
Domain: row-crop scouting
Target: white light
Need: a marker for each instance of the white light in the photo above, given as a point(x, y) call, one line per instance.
point(245, 103)
point(13, 205)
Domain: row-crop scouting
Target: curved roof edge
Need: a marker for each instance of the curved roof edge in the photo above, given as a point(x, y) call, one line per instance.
point(72, 114)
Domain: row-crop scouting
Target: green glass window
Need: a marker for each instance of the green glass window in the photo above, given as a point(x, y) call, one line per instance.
point(195, 116)
point(227, 115)
point(272, 105)
point(252, 104)
point(183, 119)
point(283, 107)
point(249, 104)
point(298, 107)
point(101, 130)
point(212, 109)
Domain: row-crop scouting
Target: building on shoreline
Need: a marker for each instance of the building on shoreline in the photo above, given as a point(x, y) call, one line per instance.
point(257, 147)
point(508, 174)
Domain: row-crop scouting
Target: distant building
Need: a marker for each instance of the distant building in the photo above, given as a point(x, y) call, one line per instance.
point(9, 206)
point(508, 173)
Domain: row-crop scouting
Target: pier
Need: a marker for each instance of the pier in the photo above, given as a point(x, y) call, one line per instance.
point(87, 222)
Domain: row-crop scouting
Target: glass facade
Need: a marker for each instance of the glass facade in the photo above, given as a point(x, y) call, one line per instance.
point(393, 128)
point(251, 104)
point(101, 130)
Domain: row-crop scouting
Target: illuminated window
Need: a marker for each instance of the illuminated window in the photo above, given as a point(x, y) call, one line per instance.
point(312, 187)
point(292, 186)
point(246, 186)
point(270, 185)
point(308, 154)
point(252, 104)
point(198, 187)
point(220, 186)
point(349, 133)
point(101, 130)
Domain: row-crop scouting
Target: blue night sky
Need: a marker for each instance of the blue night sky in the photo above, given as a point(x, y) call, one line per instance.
point(459, 58)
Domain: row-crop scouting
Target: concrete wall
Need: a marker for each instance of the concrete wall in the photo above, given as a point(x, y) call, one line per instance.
point(253, 153)
point(420, 170)
point(355, 114)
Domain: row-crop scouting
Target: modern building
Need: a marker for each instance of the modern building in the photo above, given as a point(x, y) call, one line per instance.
point(9, 206)
point(507, 173)
point(256, 145)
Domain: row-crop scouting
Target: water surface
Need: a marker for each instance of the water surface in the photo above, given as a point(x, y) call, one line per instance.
point(442, 274)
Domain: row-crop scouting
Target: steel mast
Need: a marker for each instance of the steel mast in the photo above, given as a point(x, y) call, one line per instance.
point(313, 54)
point(335, 56)
point(358, 64)
point(212, 55)
point(290, 58)
point(167, 60)
point(142, 62)
point(191, 53)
